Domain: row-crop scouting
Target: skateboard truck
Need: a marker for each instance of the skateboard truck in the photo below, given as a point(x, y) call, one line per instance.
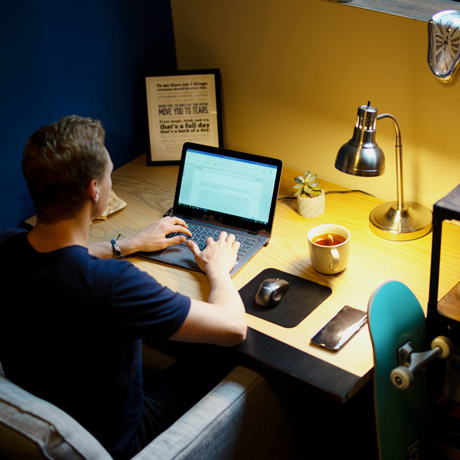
point(411, 362)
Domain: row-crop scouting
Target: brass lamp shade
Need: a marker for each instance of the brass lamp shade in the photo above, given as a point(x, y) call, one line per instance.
point(361, 156)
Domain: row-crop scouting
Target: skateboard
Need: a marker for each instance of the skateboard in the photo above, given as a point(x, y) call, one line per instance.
point(397, 325)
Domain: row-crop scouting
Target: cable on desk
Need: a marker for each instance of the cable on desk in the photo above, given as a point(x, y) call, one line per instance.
point(326, 193)
point(349, 191)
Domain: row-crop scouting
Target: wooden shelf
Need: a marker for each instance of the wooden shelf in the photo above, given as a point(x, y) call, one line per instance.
point(449, 305)
point(441, 313)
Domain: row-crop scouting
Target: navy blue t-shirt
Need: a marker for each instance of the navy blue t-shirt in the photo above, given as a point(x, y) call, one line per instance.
point(71, 330)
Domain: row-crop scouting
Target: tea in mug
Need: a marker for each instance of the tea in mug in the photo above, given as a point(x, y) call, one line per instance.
point(329, 239)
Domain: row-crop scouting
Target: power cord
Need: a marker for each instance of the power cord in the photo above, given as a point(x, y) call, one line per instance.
point(326, 193)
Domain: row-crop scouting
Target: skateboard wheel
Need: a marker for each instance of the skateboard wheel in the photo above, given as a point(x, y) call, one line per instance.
point(402, 377)
point(444, 344)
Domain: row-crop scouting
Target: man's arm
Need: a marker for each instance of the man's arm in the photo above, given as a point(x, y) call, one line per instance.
point(222, 319)
point(151, 238)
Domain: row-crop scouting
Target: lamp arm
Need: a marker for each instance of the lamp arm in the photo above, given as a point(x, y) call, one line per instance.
point(399, 165)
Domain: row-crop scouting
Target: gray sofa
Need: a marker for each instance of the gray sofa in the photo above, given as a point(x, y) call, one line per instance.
point(247, 415)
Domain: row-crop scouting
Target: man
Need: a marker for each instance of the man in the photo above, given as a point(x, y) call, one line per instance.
point(73, 317)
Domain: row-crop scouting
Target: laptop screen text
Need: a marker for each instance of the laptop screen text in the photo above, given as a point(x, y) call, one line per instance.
point(228, 185)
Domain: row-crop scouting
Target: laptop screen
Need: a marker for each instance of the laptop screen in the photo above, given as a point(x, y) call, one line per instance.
point(233, 187)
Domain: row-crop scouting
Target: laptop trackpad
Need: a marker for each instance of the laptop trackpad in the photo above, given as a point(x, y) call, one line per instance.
point(179, 255)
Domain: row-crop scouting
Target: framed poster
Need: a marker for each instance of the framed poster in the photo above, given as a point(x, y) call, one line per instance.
point(183, 106)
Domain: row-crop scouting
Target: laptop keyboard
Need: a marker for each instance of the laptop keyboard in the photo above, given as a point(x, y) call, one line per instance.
point(201, 234)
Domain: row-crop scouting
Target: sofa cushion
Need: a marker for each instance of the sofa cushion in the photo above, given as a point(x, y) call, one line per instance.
point(246, 416)
point(35, 429)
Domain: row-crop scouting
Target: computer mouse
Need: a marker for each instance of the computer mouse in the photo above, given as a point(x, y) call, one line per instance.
point(271, 291)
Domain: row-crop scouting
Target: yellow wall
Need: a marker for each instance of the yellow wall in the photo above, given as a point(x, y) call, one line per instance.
point(295, 71)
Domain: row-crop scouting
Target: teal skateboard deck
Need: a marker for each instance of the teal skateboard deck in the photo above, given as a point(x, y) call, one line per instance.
point(396, 318)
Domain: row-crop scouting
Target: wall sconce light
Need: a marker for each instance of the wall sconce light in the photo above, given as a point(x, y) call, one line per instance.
point(361, 156)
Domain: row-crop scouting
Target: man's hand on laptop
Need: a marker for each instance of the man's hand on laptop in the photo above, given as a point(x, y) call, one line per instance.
point(218, 257)
point(152, 238)
point(157, 235)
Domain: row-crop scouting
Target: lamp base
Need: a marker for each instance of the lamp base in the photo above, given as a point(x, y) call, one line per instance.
point(410, 222)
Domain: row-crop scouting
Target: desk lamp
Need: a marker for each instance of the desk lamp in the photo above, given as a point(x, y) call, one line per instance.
point(361, 156)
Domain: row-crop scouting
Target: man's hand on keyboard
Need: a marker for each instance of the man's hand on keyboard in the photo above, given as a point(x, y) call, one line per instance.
point(154, 237)
point(218, 256)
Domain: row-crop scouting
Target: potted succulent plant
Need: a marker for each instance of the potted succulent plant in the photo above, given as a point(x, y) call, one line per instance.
point(310, 195)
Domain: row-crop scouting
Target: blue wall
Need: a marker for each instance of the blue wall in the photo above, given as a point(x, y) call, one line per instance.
point(85, 57)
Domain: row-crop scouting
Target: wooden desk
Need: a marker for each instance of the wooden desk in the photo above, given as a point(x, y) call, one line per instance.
point(149, 192)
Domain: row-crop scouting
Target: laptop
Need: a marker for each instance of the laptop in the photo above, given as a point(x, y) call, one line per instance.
point(219, 189)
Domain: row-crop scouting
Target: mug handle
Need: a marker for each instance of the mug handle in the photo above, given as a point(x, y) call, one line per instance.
point(335, 260)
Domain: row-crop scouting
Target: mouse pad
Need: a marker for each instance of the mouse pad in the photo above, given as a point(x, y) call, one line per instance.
point(299, 301)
